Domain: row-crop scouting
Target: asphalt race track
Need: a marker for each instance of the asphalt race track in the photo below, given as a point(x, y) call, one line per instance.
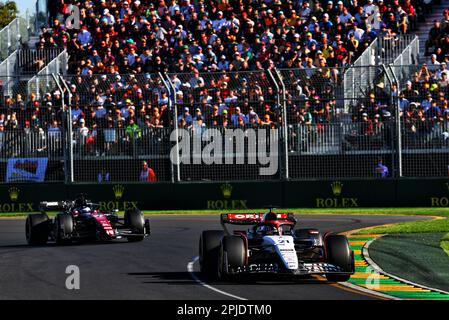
point(156, 268)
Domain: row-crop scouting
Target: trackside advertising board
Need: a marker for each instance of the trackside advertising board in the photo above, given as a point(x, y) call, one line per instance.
point(26, 169)
point(230, 196)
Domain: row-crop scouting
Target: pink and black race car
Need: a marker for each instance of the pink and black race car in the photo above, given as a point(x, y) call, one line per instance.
point(272, 245)
point(82, 220)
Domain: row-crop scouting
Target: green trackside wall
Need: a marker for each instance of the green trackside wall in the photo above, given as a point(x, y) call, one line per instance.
point(238, 195)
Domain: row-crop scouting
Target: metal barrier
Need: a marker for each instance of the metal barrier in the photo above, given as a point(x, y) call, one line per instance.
point(10, 38)
point(319, 131)
point(32, 61)
point(57, 65)
point(111, 154)
point(336, 150)
point(407, 58)
point(23, 149)
point(7, 78)
point(401, 50)
point(15, 35)
point(425, 148)
point(358, 79)
point(390, 48)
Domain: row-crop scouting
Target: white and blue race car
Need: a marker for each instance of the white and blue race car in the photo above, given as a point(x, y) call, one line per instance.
point(273, 246)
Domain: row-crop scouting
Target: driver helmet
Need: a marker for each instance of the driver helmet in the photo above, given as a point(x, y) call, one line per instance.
point(85, 210)
point(267, 230)
point(80, 201)
point(270, 216)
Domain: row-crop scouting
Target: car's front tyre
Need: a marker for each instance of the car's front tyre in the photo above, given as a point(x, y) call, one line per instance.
point(232, 255)
point(134, 220)
point(209, 249)
point(339, 254)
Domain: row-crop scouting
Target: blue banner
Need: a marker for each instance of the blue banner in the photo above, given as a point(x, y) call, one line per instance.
point(26, 169)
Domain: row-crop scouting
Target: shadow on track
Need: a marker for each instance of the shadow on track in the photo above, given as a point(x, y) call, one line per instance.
point(185, 278)
point(264, 280)
point(164, 277)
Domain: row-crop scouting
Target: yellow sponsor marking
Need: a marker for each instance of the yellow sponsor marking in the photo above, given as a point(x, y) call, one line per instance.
point(394, 287)
point(361, 275)
point(357, 243)
point(339, 286)
point(364, 236)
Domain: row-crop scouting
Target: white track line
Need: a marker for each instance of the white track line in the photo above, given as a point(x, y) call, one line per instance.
point(192, 274)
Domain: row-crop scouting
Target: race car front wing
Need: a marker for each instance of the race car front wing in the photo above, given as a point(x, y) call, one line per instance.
point(303, 269)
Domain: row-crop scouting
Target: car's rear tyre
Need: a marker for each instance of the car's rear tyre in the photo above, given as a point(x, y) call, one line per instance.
point(232, 255)
point(63, 228)
point(37, 229)
point(339, 254)
point(209, 249)
point(135, 221)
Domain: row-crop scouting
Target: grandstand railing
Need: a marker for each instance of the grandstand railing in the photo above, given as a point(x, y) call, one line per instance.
point(31, 61)
point(7, 78)
point(390, 48)
point(358, 79)
point(15, 35)
point(10, 38)
point(408, 57)
point(42, 82)
point(401, 50)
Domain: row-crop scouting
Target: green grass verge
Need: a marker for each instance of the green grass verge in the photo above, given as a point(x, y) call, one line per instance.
point(440, 225)
point(444, 243)
point(444, 212)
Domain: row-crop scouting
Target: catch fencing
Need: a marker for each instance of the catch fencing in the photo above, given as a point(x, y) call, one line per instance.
point(22, 152)
point(320, 132)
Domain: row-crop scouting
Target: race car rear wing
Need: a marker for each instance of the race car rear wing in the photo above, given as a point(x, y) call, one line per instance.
point(62, 205)
point(53, 205)
point(251, 218)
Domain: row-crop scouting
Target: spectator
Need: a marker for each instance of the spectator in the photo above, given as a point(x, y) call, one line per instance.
point(147, 174)
point(381, 170)
point(103, 176)
point(186, 116)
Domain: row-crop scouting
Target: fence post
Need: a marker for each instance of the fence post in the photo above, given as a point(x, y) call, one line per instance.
point(8, 35)
point(173, 107)
point(398, 131)
point(19, 36)
point(284, 128)
point(68, 154)
point(284, 108)
point(399, 137)
point(69, 128)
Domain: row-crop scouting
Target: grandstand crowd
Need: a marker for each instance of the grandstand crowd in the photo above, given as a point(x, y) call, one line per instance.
point(121, 46)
